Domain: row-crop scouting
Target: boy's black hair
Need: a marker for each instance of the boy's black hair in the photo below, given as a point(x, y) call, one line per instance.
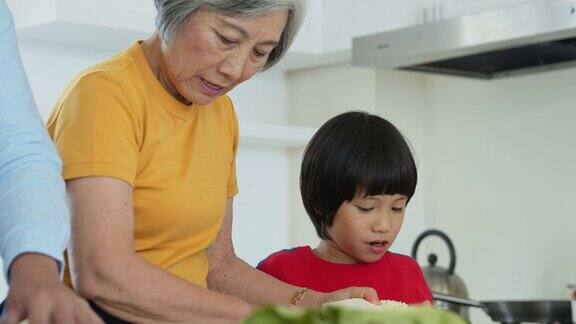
point(351, 154)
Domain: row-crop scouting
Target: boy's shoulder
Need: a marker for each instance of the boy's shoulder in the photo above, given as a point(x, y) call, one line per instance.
point(279, 257)
point(287, 261)
point(293, 266)
point(401, 261)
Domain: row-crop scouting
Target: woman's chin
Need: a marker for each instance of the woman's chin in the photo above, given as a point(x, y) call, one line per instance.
point(201, 99)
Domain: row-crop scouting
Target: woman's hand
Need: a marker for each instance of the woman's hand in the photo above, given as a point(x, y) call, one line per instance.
point(37, 294)
point(315, 299)
point(240, 310)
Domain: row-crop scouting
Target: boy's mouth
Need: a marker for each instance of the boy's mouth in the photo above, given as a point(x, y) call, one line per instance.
point(378, 243)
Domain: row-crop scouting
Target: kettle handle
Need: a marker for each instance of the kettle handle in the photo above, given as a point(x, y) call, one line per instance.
point(443, 236)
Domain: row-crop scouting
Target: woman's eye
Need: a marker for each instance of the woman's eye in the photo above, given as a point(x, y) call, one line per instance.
point(225, 40)
point(398, 209)
point(364, 210)
point(259, 53)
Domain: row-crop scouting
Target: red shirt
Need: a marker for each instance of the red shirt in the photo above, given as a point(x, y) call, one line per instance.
point(394, 276)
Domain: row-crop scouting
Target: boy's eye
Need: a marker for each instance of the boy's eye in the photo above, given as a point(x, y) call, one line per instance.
point(364, 210)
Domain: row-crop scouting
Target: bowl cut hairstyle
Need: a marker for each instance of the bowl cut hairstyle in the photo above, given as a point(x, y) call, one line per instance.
point(354, 154)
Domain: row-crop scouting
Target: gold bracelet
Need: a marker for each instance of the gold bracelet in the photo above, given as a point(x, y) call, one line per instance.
point(297, 295)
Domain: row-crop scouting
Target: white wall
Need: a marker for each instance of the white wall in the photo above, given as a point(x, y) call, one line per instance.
point(496, 166)
point(262, 99)
point(261, 207)
point(50, 68)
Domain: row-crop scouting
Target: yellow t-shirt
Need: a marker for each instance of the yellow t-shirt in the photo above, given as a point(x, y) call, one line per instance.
point(115, 119)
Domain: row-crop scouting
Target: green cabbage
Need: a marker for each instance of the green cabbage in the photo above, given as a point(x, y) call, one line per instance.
point(337, 315)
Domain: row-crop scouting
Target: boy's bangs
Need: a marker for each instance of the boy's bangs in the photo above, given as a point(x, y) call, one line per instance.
point(381, 172)
point(386, 181)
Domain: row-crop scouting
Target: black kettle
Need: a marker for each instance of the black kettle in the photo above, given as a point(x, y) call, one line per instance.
point(442, 280)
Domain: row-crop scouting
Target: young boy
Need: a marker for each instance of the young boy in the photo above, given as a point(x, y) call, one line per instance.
point(357, 177)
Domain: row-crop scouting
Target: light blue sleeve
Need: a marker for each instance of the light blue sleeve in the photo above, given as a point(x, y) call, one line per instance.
point(34, 215)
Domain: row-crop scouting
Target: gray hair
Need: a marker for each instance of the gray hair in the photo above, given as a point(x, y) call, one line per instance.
point(173, 14)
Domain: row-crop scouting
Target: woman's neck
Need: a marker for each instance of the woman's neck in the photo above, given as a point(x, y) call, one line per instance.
point(153, 51)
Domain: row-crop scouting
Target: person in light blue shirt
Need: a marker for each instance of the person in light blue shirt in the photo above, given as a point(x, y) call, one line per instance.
point(34, 218)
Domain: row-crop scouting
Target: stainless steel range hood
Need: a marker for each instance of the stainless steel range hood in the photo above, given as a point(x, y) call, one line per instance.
point(520, 39)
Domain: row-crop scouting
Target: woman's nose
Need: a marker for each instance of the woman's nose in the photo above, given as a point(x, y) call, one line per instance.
point(233, 66)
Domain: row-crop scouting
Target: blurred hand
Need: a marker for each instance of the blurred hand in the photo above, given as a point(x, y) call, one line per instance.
point(37, 295)
point(352, 292)
point(239, 312)
point(315, 299)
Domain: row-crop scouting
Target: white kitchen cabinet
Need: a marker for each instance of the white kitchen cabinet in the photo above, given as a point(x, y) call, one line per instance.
point(454, 8)
point(103, 24)
point(28, 13)
point(309, 39)
point(433, 10)
point(133, 15)
point(114, 24)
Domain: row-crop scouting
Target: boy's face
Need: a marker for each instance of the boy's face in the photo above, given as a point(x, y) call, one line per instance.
point(364, 228)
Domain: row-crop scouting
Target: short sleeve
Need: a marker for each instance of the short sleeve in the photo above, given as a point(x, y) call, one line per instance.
point(422, 285)
point(96, 129)
point(264, 265)
point(270, 265)
point(235, 133)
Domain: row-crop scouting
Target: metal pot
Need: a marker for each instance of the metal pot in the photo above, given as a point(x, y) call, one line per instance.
point(442, 280)
point(518, 311)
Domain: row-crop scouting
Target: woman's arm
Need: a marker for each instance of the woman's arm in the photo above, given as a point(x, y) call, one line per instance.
point(106, 269)
point(230, 275)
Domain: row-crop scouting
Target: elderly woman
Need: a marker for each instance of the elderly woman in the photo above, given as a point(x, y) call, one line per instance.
point(148, 140)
